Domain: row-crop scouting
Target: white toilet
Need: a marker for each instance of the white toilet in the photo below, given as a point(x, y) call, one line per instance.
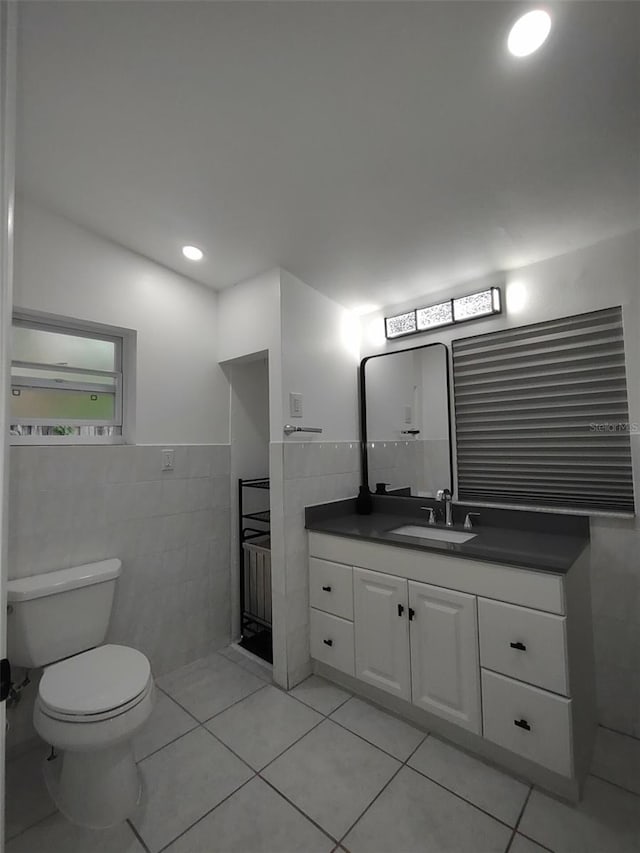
point(92, 698)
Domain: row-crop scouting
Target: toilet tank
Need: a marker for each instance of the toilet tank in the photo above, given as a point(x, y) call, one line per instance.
point(59, 614)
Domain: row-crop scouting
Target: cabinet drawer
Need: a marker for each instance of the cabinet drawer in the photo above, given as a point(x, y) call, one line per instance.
point(331, 587)
point(525, 644)
point(332, 641)
point(544, 731)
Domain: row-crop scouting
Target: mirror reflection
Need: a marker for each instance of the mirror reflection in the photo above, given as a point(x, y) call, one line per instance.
point(405, 421)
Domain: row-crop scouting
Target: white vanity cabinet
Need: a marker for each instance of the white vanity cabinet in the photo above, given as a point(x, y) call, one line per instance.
point(445, 668)
point(501, 655)
point(381, 631)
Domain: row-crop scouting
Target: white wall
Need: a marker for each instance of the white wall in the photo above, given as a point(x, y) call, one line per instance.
point(250, 418)
point(598, 276)
point(63, 269)
point(320, 356)
point(249, 322)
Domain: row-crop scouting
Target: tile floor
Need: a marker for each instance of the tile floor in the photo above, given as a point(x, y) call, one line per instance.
point(232, 764)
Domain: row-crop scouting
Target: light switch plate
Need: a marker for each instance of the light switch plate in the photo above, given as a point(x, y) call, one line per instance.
point(295, 405)
point(168, 459)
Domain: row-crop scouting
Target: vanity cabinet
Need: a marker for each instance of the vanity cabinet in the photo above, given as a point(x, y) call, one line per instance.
point(445, 668)
point(502, 653)
point(381, 610)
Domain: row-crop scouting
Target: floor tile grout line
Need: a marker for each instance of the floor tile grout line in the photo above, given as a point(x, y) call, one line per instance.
point(233, 704)
point(460, 797)
point(206, 814)
point(402, 765)
point(533, 841)
point(129, 823)
point(517, 823)
point(370, 742)
point(297, 740)
point(31, 825)
point(615, 784)
point(203, 726)
point(168, 743)
point(299, 810)
point(202, 722)
point(368, 806)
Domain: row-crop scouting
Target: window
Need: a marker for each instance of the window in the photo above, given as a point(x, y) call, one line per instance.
point(542, 417)
point(66, 385)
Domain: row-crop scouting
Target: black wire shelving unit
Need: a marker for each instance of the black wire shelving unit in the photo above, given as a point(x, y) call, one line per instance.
point(255, 573)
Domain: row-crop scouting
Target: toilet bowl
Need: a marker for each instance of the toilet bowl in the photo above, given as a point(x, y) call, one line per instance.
point(93, 697)
point(88, 709)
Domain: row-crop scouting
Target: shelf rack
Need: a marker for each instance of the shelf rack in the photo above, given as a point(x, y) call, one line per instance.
point(255, 573)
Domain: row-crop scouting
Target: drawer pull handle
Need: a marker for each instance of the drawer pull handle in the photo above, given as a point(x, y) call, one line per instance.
point(400, 609)
point(520, 646)
point(522, 724)
point(326, 588)
point(328, 642)
point(412, 613)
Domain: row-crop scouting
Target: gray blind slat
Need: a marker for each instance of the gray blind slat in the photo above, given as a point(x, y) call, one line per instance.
point(526, 402)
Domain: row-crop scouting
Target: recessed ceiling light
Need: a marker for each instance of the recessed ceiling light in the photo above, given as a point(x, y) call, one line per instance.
point(193, 253)
point(529, 33)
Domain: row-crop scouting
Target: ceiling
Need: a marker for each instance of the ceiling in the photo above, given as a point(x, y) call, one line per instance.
point(377, 150)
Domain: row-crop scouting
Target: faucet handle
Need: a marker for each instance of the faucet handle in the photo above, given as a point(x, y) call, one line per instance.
point(467, 522)
point(432, 514)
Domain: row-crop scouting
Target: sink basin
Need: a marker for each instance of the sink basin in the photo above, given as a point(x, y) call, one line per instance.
point(433, 533)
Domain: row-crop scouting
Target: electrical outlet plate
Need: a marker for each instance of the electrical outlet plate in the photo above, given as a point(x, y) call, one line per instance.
point(168, 459)
point(295, 405)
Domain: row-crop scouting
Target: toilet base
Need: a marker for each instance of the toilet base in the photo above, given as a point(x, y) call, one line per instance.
point(95, 789)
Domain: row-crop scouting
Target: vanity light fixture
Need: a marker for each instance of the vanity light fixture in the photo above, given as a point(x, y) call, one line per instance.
point(193, 253)
point(484, 303)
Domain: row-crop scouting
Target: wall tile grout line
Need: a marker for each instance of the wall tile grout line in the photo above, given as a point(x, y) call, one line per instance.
point(618, 732)
point(615, 784)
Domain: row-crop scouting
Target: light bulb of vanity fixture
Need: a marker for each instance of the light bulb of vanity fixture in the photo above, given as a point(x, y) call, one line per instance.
point(193, 253)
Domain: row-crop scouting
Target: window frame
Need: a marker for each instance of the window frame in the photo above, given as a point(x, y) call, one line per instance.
point(78, 329)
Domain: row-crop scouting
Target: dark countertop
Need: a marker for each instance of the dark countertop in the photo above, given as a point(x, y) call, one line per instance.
point(529, 548)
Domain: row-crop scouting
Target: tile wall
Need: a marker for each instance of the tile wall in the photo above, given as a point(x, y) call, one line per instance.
point(311, 473)
point(615, 592)
point(171, 529)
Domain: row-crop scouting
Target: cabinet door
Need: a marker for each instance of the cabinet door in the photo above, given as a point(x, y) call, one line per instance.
point(445, 669)
point(382, 631)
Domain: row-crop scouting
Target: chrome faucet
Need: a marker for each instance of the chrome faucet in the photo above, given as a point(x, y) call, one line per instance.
point(444, 496)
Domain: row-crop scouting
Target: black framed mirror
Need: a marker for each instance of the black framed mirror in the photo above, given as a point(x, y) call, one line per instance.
point(405, 426)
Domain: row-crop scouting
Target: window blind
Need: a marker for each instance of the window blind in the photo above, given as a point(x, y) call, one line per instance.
point(542, 417)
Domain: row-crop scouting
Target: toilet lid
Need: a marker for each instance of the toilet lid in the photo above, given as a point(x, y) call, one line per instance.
point(95, 681)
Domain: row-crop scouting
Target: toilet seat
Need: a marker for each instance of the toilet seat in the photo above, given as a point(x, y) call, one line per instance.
point(96, 685)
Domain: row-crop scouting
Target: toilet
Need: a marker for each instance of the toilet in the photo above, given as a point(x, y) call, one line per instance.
point(92, 698)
